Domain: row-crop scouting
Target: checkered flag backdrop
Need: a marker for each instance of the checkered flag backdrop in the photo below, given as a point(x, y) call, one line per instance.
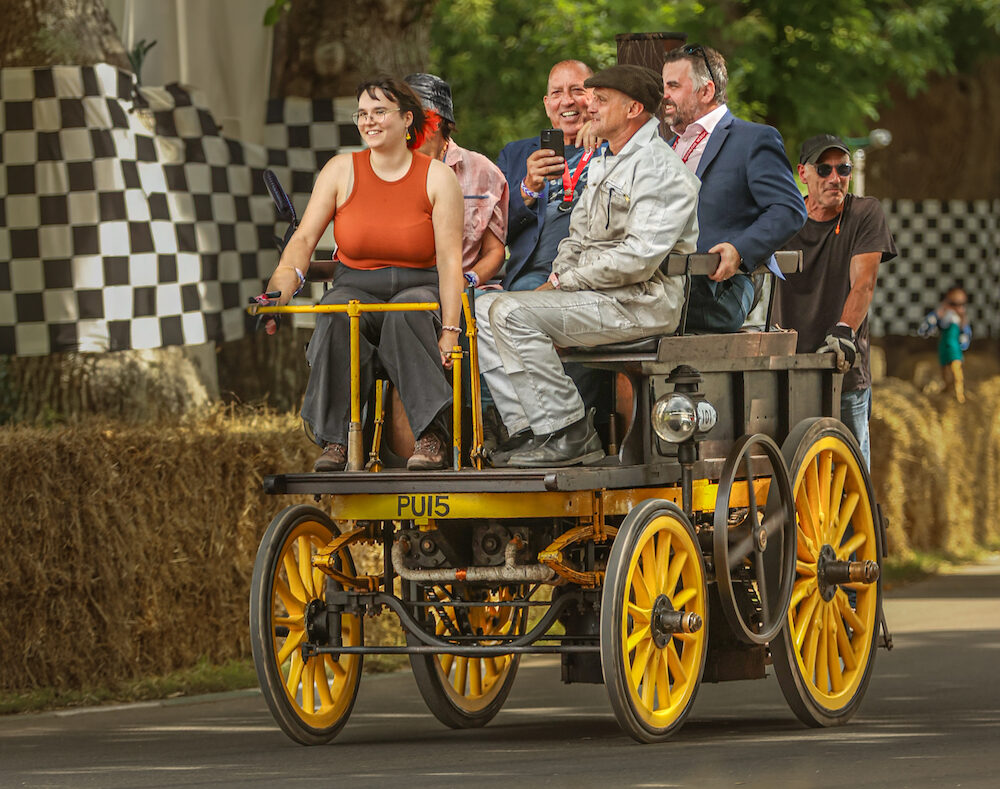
point(127, 220)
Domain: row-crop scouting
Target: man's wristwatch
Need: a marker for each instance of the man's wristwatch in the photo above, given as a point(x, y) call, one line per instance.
point(554, 280)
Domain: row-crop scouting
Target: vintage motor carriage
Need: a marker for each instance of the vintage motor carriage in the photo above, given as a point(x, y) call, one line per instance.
point(731, 527)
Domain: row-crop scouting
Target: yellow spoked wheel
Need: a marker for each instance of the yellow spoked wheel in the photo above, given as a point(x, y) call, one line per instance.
point(310, 699)
point(825, 652)
point(468, 692)
point(654, 628)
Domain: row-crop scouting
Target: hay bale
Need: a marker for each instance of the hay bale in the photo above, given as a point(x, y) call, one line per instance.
point(936, 466)
point(128, 549)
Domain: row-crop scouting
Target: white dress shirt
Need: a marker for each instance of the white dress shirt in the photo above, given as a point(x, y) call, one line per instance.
point(685, 141)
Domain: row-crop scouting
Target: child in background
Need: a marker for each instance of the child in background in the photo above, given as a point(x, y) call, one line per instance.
point(951, 324)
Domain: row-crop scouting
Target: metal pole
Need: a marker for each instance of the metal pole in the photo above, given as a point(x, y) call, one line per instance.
point(355, 446)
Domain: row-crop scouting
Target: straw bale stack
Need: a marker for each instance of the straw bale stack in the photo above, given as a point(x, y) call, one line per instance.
point(127, 549)
point(936, 466)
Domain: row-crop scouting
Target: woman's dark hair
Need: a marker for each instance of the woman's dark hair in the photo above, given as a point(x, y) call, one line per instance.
point(398, 91)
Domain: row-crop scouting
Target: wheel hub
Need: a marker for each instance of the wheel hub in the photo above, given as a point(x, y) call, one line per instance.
point(317, 627)
point(665, 621)
point(824, 563)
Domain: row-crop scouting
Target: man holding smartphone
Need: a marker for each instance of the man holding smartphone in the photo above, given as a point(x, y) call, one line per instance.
point(605, 285)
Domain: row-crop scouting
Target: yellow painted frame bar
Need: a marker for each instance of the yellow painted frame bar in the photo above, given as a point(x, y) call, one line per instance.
point(439, 506)
point(472, 331)
point(703, 496)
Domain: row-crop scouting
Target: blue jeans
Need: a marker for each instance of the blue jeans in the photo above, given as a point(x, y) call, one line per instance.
point(855, 411)
point(719, 307)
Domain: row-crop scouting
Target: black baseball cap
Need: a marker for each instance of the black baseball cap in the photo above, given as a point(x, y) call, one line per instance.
point(816, 146)
point(434, 93)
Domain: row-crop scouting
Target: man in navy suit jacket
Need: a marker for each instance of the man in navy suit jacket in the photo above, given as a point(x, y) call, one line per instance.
point(537, 219)
point(749, 204)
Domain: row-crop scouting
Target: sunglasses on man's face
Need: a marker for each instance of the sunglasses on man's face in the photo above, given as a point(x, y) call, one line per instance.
point(824, 170)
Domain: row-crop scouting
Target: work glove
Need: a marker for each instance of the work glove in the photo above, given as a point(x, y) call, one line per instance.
point(841, 341)
point(270, 323)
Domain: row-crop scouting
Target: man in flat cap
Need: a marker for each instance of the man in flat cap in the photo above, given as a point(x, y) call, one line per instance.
point(483, 185)
point(748, 206)
point(606, 285)
point(843, 241)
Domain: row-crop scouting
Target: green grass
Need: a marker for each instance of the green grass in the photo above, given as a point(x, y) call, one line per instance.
point(202, 678)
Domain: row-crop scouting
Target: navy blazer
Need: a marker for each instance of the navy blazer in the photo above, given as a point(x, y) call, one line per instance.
point(524, 225)
point(748, 194)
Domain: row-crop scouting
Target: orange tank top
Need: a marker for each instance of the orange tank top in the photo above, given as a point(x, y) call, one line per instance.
point(386, 223)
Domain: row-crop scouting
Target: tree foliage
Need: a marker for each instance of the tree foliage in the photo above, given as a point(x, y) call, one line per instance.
point(801, 65)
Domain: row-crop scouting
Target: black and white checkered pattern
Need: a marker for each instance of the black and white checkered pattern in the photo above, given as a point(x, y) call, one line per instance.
point(127, 220)
point(941, 243)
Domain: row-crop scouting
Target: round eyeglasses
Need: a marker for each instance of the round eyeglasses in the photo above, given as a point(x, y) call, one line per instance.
point(378, 115)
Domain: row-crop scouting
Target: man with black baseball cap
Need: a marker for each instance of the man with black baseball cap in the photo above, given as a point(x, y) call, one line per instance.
point(483, 185)
point(606, 286)
point(843, 241)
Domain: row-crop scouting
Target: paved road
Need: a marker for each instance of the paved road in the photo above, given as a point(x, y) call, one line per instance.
point(931, 718)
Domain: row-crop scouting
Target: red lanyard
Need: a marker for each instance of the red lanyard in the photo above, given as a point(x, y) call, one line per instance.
point(569, 184)
point(701, 136)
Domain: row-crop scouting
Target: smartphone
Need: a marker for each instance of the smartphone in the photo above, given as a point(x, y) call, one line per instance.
point(553, 140)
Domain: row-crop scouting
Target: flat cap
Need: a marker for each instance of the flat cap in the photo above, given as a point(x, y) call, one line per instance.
point(434, 93)
point(816, 146)
point(637, 82)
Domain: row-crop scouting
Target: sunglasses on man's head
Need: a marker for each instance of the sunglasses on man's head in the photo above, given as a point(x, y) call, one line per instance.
point(824, 170)
point(698, 49)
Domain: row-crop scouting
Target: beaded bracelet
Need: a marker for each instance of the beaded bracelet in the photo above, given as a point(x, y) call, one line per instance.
point(452, 328)
point(528, 192)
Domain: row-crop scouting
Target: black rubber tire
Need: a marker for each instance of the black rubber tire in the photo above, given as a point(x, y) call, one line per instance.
point(299, 527)
point(812, 704)
point(646, 713)
point(465, 709)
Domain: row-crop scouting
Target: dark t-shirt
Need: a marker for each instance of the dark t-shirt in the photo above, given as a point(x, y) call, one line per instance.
point(812, 301)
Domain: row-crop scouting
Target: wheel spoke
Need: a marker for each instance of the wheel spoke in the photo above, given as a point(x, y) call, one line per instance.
point(642, 654)
point(475, 677)
point(811, 490)
point(338, 670)
point(291, 645)
point(294, 674)
point(461, 674)
point(636, 637)
point(662, 562)
point(740, 551)
point(294, 579)
point(809, 647)
point(844, 643)
point(805, 549)
point(663, 681)
point(648, 569)
point(762, 586)
point(844, 516)
point(824, 478)
point(850, 615)
point(852, 545)
point(305, 565)
point(676, 568)
point(322, 684)
point(676, 666)
point(683, 597)
point(752, 515)
point(808, 517)
point(801, 590)
point(823, 652)
point(309, 686)
point(802, 626)
point(649, 680)
point(446, 663)
point(639, 614)
point(293, 605)
point(807, 569)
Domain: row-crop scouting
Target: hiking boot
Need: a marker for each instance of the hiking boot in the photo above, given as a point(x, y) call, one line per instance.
point(494, 433)
point(334, 458)
point(429, 452)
